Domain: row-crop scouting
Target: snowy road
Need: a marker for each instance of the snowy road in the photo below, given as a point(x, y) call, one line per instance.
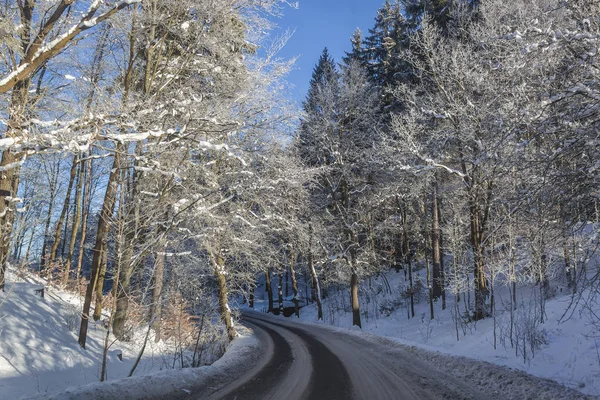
point(311, 362)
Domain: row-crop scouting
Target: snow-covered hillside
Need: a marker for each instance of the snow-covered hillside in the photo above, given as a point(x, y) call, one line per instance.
point(39, 353)
point(569, 347)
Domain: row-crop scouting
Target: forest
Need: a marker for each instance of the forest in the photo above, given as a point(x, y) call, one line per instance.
point(153, 162)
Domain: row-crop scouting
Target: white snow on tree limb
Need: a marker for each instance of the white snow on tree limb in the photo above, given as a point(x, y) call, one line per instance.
point(171, 254)
point(51, 46)
point(13, 165)
point(135, 137)
point(13, 74)
point(155, 171)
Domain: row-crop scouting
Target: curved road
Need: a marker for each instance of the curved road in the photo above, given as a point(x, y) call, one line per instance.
point(311, 362)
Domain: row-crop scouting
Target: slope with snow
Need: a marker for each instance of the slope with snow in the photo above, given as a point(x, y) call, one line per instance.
point(40, 355)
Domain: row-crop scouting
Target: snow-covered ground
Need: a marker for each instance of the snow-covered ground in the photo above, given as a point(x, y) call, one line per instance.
point(40, 355)
point(570, 354)
point(242, 353)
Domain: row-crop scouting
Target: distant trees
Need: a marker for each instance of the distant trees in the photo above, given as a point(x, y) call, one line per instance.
point(475, 121)
point(337, 135)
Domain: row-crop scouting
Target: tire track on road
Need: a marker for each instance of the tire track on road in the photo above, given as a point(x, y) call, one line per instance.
point(299, 366)
point(260, 383)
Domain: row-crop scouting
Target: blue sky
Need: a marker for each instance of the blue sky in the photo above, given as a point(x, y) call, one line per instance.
point(319, 24)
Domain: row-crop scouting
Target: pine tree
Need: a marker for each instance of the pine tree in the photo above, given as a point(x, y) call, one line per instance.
point(357, 53)
point(440, 11)
point(383, 49)
point(324, 76)
point(323, 84)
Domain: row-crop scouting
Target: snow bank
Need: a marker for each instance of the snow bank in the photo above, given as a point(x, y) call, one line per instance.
point(39, 353)
point(242, 353)
point(497, 381)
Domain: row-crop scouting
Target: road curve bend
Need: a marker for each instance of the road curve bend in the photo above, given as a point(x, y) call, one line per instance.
point(312, 362)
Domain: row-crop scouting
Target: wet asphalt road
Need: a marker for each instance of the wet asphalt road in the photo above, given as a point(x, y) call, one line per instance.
point(311, 362)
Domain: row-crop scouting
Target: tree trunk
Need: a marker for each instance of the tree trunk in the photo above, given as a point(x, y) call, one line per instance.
point(65, 230)
point(251, 295)
point(269, 289)
point(280, 292)
point(316, 289)
point(7, 211)
point(544, 282)
point(223, 301)
point(430, 287)
point(398, 254)
point(120, 245)
point(99, 289)
point(53, 186)
point(122, 302)
point(442, 269)
point(36, 217)
point(76, 222)
point(480, 282)
point(354, 296)
point(294, 283)
point(567, 258)
point(123, 292)
point(63, 213)
point(28, 251)
point(436, 281)
point(157, 287)
point(408, 259)
point(21, 233)
point(306, 296)
point(11, 165)
point(133, 226)
point(287, 282)
point(96, 276)
point(85, 206)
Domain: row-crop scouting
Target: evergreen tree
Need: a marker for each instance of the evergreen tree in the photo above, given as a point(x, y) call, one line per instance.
point(324, 76)
point(357, 53)
point(324, 84)
point(440, 11)
point(383, 49)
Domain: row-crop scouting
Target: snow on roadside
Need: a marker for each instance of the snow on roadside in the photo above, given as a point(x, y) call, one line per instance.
point(39, 352)
point(242, 353)
point(495, 380)
point(40, 355)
